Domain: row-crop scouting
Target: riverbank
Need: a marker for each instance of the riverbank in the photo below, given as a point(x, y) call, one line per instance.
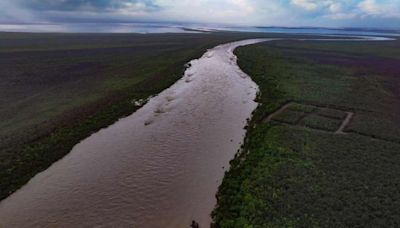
point(296, 168)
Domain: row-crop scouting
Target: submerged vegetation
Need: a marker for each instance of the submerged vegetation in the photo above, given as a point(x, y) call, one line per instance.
point(289, 175)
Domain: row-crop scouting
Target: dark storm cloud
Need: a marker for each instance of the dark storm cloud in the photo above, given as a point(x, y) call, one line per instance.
point(89, 5)
point(332, 13)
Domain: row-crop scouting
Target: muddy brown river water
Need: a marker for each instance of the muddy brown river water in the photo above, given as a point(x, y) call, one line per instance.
point(159, 167)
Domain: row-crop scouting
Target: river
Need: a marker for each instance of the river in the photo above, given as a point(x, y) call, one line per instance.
point(159, 167)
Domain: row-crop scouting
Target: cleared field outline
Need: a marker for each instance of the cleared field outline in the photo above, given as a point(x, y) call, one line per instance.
point(317, 111)
point(341, 129)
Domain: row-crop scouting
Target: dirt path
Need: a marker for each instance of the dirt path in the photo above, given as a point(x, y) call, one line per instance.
point(279, 111)
point(345, 123)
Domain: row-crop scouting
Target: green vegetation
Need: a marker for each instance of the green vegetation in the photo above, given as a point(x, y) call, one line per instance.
point(302, 108)
point(321, 123)
point(332, 113)
point(377, 125)
point(286, 176)
point(57, 89)
point(289, 116)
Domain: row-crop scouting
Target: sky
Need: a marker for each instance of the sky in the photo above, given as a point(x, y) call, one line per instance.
point(292, 13)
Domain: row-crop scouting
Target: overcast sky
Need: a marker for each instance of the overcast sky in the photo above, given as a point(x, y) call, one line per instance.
point(333, 13)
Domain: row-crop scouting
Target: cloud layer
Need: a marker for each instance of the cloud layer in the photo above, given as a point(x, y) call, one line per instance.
point(366, 13)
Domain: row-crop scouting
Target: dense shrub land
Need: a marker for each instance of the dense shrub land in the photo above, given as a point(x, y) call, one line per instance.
point(57, 89)
point(295, 176)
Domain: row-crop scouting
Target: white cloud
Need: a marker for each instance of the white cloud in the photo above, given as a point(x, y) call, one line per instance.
point(342, 16)
point(385, 9)
point(309, 5)
point(370, 7)
point(335, 7)
point(241, 12)
point(226, 11)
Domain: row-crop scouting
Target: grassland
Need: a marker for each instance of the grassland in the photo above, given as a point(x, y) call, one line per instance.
point(291, 176)
point(57, 89)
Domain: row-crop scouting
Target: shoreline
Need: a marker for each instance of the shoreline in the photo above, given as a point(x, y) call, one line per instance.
point(278, 178)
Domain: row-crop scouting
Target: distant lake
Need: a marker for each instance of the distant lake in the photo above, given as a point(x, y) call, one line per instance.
point(184, 28)
point(325, 31)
